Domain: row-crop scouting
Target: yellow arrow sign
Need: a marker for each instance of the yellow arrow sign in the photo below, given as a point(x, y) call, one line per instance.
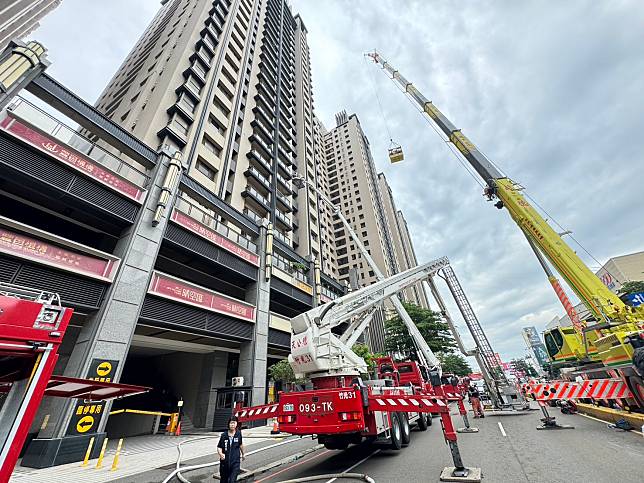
point(84, 424)
point(104, 368)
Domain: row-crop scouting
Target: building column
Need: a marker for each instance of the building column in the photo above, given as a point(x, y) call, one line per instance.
point(104, 341)
point(253, 354)
point(20, 63)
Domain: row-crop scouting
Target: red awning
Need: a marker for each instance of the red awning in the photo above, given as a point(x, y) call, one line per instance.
point(74, 387)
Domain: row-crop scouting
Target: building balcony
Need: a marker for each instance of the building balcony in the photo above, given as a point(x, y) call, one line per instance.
point(253, 173)
point(263, 162)
point(264, 115)
point(265, 148)
point(252, 194)
point(269, 105)
point(294, 204)
point(281, 237)
point(186, 207)
point(283, 220)
point(285, 203)
point(282, 182)
point(268, 77)
point(260, 128)
point(254, 216)
point(67, 146)
point(285, 171)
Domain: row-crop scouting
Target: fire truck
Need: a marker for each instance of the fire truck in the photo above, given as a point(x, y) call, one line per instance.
point(32, 327)
point(345, 408)
point(607, 348)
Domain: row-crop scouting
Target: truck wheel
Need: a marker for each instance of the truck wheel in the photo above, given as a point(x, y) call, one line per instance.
point(637, 386)
point(430, 420)
point(396, 432)
point(405, 430)
point(422, 422)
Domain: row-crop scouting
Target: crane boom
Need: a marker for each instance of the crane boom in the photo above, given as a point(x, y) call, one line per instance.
point(602, 303)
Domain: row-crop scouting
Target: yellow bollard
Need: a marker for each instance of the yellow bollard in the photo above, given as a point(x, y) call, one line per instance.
point(115, 462)
point(99, 463)
point(89, 452)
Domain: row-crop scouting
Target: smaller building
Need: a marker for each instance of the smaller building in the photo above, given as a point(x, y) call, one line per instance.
point(619, 270)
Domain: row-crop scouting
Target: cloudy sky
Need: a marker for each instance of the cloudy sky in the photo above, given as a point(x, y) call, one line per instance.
point(552, 95)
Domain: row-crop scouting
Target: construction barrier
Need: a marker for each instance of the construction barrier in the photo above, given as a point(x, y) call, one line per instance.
point(589, 389)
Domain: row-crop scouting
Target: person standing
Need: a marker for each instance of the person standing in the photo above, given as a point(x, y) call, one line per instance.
point(475, 400)
point(231, 451)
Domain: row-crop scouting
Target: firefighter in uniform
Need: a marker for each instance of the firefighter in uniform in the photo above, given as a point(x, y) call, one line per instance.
point(230, 448)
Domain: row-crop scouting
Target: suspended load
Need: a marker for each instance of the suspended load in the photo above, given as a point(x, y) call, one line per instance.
point(395, 153)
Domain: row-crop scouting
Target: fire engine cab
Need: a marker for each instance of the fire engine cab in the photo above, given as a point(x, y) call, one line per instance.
point(32, 327)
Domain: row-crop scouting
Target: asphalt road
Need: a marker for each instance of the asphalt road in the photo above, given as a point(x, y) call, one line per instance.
point(512, 452)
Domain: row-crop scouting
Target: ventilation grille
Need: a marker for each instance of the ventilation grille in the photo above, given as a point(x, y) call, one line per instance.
point(164, 313)
point(212, 252)
point(56, 175)
point(279, 338)
point(74, 290)
point(287, 289)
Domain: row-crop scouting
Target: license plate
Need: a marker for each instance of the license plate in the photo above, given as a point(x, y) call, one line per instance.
point(288, 408)
point(320, 406)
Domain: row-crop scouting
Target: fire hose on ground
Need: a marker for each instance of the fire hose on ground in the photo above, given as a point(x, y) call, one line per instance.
point(177, 472)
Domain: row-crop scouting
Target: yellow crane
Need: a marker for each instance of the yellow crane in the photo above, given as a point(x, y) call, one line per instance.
point(611, 341)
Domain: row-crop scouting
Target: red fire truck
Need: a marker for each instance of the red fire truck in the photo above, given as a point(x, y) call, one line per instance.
point(343, 408)
point(32, 327)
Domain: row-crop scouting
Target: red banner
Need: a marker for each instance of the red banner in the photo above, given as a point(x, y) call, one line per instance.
point(181, 291)
point(71, 158)
point(37, 250)
point(214, 237)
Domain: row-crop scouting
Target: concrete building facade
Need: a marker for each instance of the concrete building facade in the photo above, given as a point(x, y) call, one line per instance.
point(172, 215)
point(18, 18)
point(404, 253)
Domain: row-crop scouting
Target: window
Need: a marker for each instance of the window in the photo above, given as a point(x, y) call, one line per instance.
point(188, 103)
point(211, 146)
point(219, 126)
point(192, 82)
point(206, 170)
point(180, 125)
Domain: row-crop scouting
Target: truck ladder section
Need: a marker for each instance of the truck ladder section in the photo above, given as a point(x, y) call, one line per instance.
point(503, 393)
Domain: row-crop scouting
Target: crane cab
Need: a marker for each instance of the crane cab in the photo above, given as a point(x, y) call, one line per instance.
point(396, 154)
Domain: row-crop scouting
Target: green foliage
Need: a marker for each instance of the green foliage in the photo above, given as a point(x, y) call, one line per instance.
point(631, 287)
point(455, 364)
point(431, 327)
point(522, 365)
point(299, 267)
point(369, 357)
point(282, 371)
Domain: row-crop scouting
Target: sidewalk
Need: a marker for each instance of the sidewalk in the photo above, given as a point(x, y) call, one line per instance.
point(139, 454)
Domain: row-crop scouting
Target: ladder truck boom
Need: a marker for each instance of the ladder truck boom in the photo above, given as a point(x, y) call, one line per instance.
point(317, 352)
point(615, 333)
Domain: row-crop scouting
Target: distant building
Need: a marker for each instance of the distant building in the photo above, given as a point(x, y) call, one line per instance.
point(535, 346)
point(619, 270)
point(18, 18)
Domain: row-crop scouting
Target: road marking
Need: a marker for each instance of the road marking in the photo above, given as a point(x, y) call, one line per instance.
point(357, 464)
point(292, 466)
point(501, 428)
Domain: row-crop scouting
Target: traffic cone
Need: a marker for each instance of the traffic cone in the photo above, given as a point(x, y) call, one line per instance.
point(178, 430)
point(276, 427)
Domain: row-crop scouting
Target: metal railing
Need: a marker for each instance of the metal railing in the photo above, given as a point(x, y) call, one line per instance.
point(64, 134)
point(193, 211)
point(257, 195)
point(287, 266)
point(325, 291)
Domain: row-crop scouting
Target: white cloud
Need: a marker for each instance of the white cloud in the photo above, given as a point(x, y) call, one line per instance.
point(552, 94)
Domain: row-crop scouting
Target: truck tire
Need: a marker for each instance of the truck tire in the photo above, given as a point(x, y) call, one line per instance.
point(429, 420)
point(395, 432)
point(637, 387)
point(422, 422)
point(405, 429)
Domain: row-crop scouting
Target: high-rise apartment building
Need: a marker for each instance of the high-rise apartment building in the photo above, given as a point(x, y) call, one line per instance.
point(404, 253)
point(229, 84)
point(18, 18)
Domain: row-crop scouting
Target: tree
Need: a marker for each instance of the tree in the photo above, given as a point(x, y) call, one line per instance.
point(631, 287)
point(523, 366)
point(455, 364)
point(282, 371)
point(431, 326)
point(369, 357)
